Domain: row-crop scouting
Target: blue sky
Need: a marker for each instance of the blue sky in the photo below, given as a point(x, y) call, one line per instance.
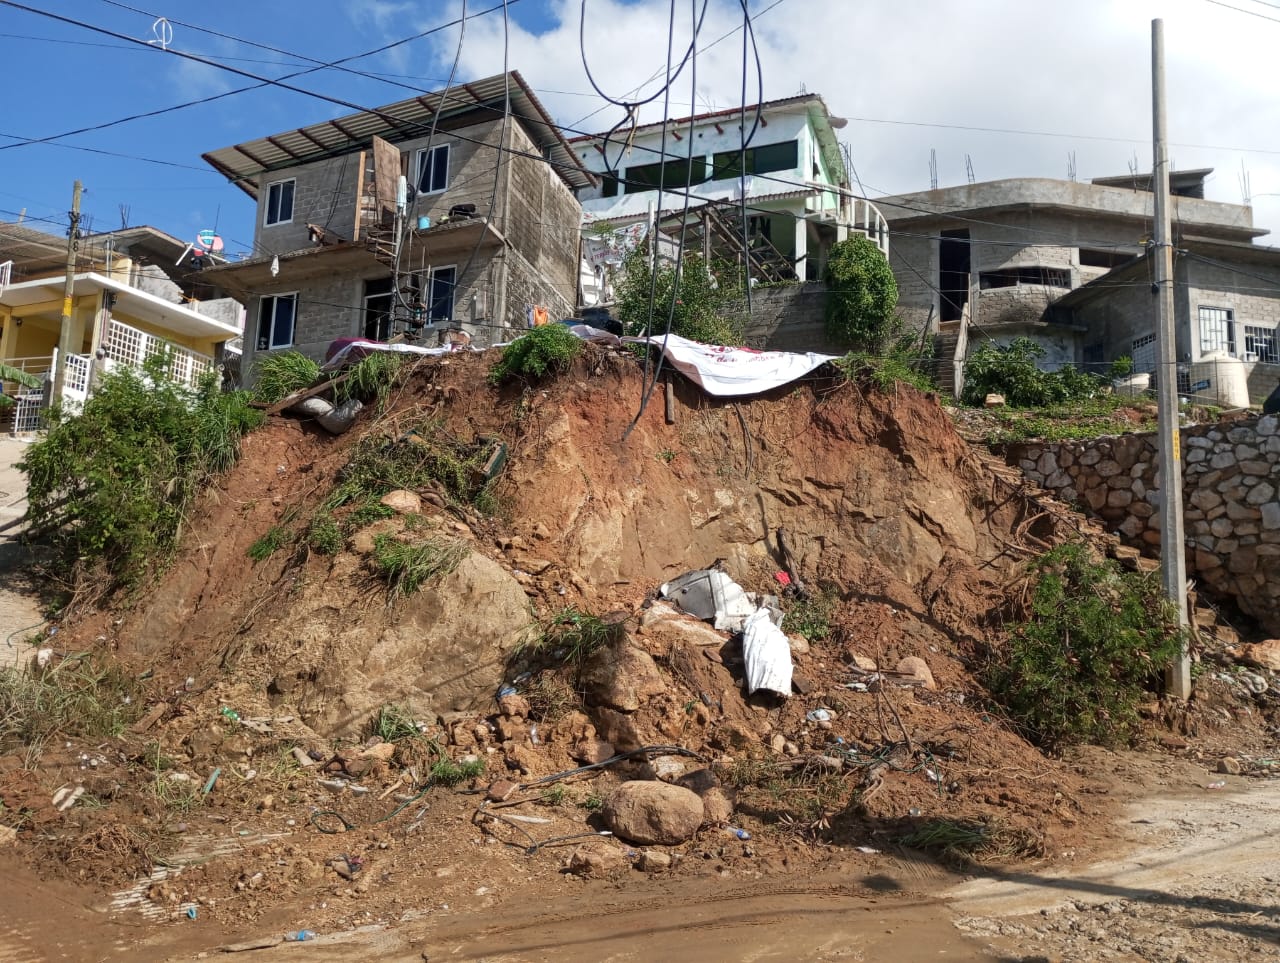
point(1015, 87)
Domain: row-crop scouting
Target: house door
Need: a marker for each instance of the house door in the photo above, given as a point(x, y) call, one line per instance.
point(953, 274)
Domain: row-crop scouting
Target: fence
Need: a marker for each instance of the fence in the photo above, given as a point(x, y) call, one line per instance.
point(127, 345)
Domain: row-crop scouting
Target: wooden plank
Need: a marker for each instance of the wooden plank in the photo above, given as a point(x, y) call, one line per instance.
point(386, 171)
point(360, 175)
point(302, 395)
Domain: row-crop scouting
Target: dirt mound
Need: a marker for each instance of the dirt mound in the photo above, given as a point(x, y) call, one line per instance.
point(269, 678)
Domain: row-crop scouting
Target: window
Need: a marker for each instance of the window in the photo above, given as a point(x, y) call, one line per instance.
point(378, 297)
point(1011, 277)
point(279, 203)
point(276, 315)
point(1261, 343)
point(440, 284)
point(608, 185)
point(729, 164)
point(1103, 259)
point(1217, 330)
point(433, 169)
point(1143, 353)
point(671, 175)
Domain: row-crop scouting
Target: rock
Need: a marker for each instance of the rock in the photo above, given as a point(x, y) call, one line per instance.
point(863, 662)
point(596, 858)
point(993, 401)
point(1265, 655)
point(799, 644)
point(380, 751)
point(521, 758)
point(734, 735)
point(8, 835)
point(717, 806)
point(651, 813)
point(915, 666)
point(665, 768)
point(514, 706)
point(1256, 684)
point(590, 752)
point(699, 781)
point(501, 790)
point(621, 676)
point(618, 729)
point(1229, 765)
point(403, 502)
point(776, 743)
point(663, 617)
point(654, 861)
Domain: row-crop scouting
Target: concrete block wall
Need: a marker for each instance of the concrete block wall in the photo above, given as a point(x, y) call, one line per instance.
point(790, 317)
point(1231, 500)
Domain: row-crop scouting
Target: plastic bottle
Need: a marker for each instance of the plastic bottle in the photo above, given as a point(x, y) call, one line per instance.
point(300, 936)
point(230, 714)
point(740, 833)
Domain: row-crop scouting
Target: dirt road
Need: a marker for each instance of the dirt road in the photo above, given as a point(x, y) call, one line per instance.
point(1196, 881)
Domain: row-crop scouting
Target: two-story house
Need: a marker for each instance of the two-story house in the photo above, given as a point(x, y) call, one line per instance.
point(134, 294)
point(1063, 263)
point(687, 177)
point(452, 210)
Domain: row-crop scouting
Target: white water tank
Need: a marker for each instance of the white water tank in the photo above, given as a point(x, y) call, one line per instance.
point(1220, 379)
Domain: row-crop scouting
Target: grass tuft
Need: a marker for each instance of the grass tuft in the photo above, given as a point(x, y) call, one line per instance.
point(75, 698)
point(406, 568)
point(281, 374)
point(549, 349)
point(395, 722)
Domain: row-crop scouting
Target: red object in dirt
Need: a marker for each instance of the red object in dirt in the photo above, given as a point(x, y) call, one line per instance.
point(782, 578)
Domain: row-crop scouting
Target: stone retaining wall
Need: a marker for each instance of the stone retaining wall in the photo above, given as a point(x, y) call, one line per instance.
point(1231, 479)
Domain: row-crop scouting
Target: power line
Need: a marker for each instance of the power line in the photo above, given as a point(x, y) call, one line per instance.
point(261, 81)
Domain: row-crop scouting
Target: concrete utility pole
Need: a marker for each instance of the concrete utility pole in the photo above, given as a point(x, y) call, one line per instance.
point(1173, 562)
point(68, 294)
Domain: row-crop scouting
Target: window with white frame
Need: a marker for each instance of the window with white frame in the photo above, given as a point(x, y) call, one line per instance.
point(1143, 353)
point(441, 282)
point(1260, 343)
point(433, 169)
point(276, 316)
point(279, 203)
point(1217, 330)
point(379, 298)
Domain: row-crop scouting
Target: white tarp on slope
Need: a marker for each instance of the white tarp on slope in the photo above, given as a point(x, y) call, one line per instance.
point(767, 655)
point(736, 371)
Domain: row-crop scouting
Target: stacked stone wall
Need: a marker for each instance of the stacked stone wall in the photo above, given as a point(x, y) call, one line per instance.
point(1231, 500)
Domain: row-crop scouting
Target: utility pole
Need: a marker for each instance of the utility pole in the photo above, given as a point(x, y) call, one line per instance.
point(1173, 562)
point(68, 294)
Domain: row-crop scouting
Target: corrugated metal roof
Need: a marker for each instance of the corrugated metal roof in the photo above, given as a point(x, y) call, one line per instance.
point(397, 122)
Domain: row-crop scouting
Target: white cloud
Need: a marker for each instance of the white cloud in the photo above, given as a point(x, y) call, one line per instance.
point(1079, 71)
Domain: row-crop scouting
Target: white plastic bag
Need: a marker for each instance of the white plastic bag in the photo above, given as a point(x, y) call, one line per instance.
point(767, 654)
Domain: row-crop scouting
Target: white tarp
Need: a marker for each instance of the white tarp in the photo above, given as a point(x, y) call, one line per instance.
point(725, 371)
point(767, 655)
point(368, 347)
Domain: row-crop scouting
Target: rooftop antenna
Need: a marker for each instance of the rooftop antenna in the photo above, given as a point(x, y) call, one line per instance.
point(968, 168)
point(1246, 192)
point(1071, 165)
point(933, 169)
point(124, 217)
point(161, 34)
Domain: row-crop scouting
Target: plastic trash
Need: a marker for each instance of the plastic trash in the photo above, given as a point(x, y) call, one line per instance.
point(712, 596)
point(507, 690)
point(818, 715)
point(1216, 785)
point(739, 833)
point(341, 418)
point(299, 936)
point(767, 655)
point(192, 912)
point(230, 714)
point(533, 735)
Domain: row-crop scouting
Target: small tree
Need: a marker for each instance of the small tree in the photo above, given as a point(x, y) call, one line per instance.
point(861, 294)
point(709, 302)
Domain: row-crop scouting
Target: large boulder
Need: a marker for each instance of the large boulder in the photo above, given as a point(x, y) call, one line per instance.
point(649, 813)
point(620, 676)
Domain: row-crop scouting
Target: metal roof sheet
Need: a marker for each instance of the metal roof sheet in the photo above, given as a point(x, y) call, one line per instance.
point(405, 119)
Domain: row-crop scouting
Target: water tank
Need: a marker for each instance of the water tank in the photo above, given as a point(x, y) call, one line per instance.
point(1133, 385)
point(1220, 379)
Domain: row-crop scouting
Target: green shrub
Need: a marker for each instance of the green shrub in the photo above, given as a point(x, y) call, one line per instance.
point(268, 544)
point(861, 294)
point(371, 378)
point(1011, 370)
point(811, 616)
point(567, 638)
point(710, 306)
point(280, 374)
point(907, 361)
point(324, 535)
point(405, 567)
point(395, 722)
point(549, 349)
point(114, 483)
point(1095, 635)
point(76, 698)
point(446, 772)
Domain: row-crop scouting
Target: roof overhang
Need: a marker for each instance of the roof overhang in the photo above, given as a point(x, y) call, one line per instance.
point(438, 243)
point(811, 101)
point(407, 119)
point(129, 301)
